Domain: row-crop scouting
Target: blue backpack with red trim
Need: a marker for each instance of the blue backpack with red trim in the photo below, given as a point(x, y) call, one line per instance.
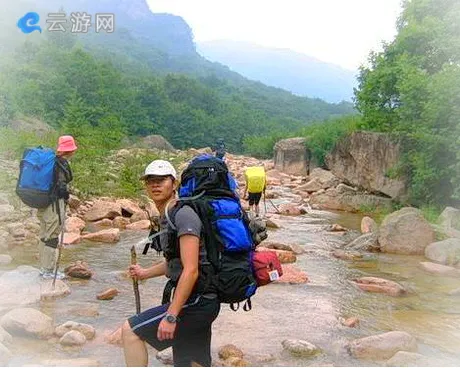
point(210, 190)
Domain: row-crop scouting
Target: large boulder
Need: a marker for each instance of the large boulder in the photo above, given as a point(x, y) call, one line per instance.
point(292, 156)
point(405, 232)
point(366, 159)
point(101, 210)
point(128, 207)
point(439, 269)
point(104, 236)
point(450, 218)
point(383, 346)
point(74, 225)
point(346, 198)
point(19, 287)
point(28, 322)
point(324, 178)
point(155, 141)
point(446, 252)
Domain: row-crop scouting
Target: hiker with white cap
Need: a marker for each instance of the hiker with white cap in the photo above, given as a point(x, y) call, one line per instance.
point(184, 319)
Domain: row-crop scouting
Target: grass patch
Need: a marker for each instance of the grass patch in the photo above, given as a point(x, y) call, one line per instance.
point(431, 213)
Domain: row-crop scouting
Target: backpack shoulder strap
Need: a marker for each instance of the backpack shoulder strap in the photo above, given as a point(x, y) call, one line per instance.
point(64, 167)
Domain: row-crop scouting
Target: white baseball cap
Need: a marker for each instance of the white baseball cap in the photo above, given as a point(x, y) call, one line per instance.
point(159, 168)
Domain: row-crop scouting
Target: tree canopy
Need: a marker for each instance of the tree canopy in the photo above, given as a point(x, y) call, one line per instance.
point(412, 90)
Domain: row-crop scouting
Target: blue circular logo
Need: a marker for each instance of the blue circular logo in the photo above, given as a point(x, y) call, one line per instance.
point(28, 23)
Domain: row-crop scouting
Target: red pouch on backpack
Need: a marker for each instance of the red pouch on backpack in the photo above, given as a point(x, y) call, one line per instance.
point(266, 266)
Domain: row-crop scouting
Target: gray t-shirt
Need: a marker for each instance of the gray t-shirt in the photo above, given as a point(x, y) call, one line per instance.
point(187, 222)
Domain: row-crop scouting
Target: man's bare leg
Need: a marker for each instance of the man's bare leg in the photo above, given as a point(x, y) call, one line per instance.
point(135, 350)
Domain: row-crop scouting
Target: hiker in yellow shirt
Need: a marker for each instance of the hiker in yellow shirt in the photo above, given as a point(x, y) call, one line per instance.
point(255, 185)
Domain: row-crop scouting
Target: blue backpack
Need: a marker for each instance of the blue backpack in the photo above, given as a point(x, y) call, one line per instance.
point(210, 190)
point(36, 183)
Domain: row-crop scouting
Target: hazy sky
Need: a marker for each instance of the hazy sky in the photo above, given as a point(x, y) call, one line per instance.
point(338, 31)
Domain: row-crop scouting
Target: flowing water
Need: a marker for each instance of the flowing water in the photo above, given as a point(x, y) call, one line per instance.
point(309, 311)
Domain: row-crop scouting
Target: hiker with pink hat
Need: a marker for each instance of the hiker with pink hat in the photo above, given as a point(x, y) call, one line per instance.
point(66, 144)
point(52, 218)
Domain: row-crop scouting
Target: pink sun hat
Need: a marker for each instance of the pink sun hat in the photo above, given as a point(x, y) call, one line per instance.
point(66, 143)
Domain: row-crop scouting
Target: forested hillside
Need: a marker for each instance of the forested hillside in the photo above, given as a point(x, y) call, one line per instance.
point(129, 83)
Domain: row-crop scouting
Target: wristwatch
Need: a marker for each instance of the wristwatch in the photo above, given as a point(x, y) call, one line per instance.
point(171, 318)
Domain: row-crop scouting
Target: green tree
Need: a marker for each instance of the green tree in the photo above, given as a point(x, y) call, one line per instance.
point(411, 90)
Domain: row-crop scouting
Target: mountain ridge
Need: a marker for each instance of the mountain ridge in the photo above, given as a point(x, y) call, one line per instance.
point(299, 73)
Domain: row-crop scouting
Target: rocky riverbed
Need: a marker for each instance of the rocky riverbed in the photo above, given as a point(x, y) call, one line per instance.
point(353, 292)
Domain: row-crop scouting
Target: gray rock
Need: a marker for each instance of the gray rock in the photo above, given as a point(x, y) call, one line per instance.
point(20, 287)
point(291, 156)
point(366, 242)
point(446, 252)
point(48, 292)
point(368, 225)
point(405, 232)
point(155, 141)
point(28, 322)
point(300, 348)
point(364, 159)
point(322, 179)
point(383, 346)
point(440, 269)
point(73, 338)
point(408, 359)
point(85, 329)
point(450, 218)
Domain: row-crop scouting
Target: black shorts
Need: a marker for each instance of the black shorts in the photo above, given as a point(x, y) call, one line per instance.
point(192, 339)
point(254, 198)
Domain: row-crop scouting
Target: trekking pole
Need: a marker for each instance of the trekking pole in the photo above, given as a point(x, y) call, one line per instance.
point(265, 205)
point(137, 297)
point(61, 242)
point(276, 208)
